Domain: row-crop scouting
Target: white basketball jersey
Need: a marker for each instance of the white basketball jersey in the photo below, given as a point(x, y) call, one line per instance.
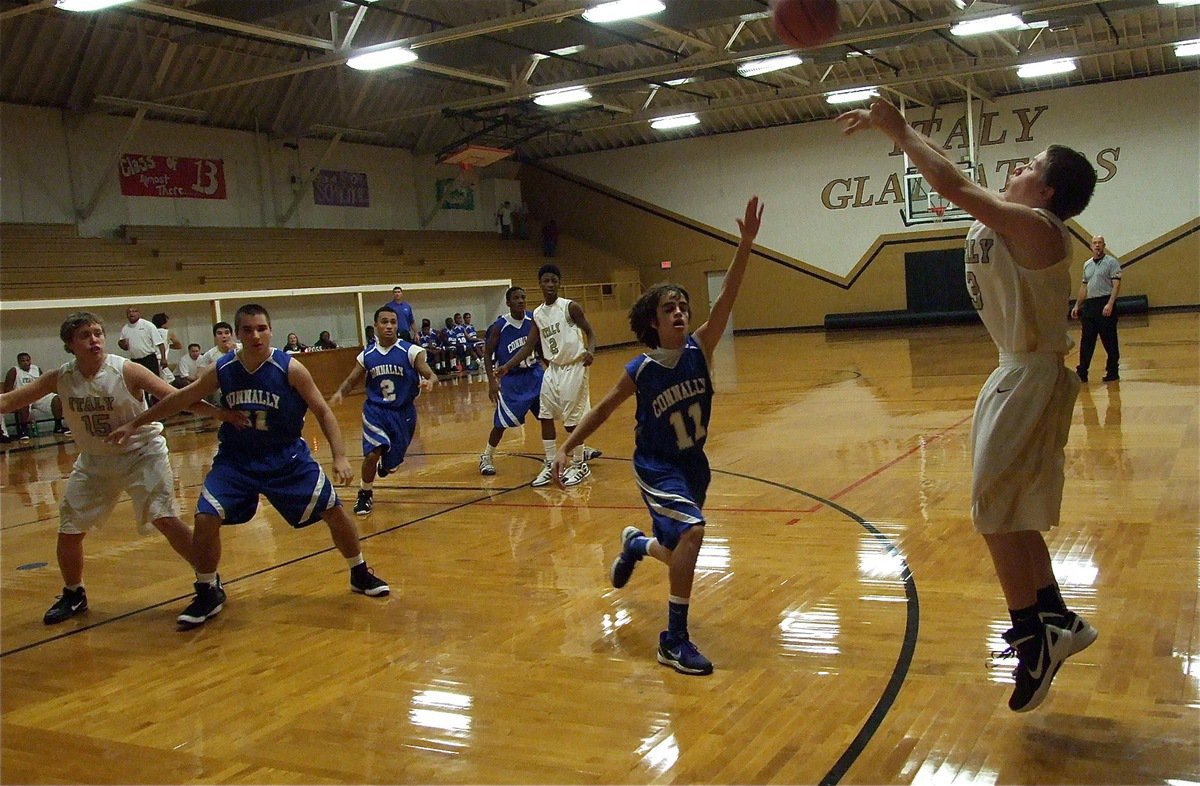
point(26, 377)
point(562, 340)
point(94, 406)
point(1024, 310)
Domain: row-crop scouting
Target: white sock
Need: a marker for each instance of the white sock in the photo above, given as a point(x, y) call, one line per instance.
point(355, 561)
point(577, 455)
point(551, 447)
point(490, 450)
point(365, 486)
point(206, 578)
point(72, 587)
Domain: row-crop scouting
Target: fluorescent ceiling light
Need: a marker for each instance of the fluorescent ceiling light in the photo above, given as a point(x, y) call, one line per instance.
point(569, 95)
point(989, 24)
point(851, 96)
point(383, 58)
point(1045, 68)
point(87, 5)
point(683, 80)
point(622, 9)
point(674, 121)
point(1188, 48)
point(768, 64)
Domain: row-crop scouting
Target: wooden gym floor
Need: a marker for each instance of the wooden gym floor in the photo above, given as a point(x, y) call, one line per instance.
point(841, 593)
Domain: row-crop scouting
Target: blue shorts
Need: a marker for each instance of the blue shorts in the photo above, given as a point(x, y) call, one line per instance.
point(294, 484)
point(519, 394)
point(388, 430)
point(674, 492)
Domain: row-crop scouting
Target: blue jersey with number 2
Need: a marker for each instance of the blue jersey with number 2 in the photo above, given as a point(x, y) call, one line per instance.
point(674, 401)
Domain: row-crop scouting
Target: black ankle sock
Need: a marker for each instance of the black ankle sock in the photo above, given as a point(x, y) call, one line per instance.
point(1025, 619)
point(1049, 600)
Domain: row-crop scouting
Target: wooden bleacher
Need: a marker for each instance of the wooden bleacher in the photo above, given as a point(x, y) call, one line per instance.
point(49, 260)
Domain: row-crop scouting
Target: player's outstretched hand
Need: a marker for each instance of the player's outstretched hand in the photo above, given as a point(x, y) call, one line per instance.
point(426, 385)
point(557, 467)
point(119, 435)
point(234, 417)
point(335, 399)
point(853, 121)
point(882, 116)
point(341, 471)
point(748, 225)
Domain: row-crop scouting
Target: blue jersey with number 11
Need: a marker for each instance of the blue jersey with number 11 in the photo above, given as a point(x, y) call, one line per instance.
point(674, 401)
point(275, 409)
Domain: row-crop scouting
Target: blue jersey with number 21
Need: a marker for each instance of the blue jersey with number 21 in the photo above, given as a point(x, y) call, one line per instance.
point(275, 409)
point(674, 401)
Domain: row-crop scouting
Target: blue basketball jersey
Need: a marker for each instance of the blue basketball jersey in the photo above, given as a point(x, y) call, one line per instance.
point(674, 401)
point(404, 316)
point(392, 378)
point(429, 340)
point(275, 409)
point(513, 336)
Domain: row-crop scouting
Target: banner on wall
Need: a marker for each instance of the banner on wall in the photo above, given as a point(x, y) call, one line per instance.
point(341, 189)
point(455, 194)
point(172, 176)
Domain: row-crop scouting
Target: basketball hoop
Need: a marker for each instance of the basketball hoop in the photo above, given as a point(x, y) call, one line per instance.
point(938, 211)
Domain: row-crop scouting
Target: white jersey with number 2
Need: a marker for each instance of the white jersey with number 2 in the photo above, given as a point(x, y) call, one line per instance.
point(562, 340)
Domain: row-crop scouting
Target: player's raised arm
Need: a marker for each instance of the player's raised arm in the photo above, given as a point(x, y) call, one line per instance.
point(173, 403)
point(140, 380)
point(302, 381)
point(534, 341)
point(1033, 237)
point(594, 418)
point(711, 331)
point(352, 379)
point(428, 378)
point(491, 340)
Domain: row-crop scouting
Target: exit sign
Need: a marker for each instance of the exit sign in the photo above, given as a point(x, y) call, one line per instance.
point(665, 264)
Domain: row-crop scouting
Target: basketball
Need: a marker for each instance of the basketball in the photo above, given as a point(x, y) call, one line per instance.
point(804, 23)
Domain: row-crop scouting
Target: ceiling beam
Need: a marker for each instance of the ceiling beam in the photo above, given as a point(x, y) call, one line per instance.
point(711, 59)
point(224, 23)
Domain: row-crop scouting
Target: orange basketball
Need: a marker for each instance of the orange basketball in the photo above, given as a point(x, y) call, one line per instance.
point(802, 24)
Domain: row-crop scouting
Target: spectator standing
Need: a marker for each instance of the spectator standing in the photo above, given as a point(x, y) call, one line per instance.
point(1096, 310)
point(406, 323)
point(141, 339)
point(550, 238)
point(504, 220)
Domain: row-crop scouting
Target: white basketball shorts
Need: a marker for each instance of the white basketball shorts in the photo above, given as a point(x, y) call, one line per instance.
point(565, 394)
point(1022, 419)
point(96, 483)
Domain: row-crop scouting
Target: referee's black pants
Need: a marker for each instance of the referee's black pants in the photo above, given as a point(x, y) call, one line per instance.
point(150, 362)
point(1091, 317)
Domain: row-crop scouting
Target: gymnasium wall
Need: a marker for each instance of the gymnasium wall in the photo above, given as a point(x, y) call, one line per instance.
point(54, 166)
point(832, 239)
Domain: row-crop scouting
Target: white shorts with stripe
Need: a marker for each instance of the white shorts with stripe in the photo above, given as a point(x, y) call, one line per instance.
point(565, 394)
point(1022, 419)
point(96, 482)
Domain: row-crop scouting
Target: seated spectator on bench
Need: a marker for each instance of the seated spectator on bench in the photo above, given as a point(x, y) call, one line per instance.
point(474, 342)
point(324, 341)
point(293, 345)
point(452, 347)
point(188, 368)
point(48, 406)
point(428, 339)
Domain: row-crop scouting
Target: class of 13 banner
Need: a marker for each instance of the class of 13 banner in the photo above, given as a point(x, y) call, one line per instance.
point(172, 176)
